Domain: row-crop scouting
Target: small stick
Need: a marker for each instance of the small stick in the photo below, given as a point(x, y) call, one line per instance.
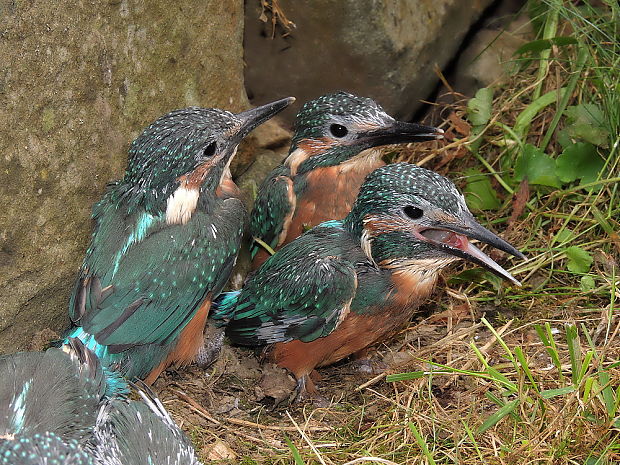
point(195, 406)
point(306, 438)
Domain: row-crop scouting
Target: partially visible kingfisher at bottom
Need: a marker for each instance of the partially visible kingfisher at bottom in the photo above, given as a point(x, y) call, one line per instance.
point(140, 433)
point(334, 147)
point(346, 285)
point(165, 240)
point(50, 402)
point(63, 407)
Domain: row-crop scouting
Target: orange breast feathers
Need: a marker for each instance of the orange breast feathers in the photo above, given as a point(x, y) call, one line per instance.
point(330, 193)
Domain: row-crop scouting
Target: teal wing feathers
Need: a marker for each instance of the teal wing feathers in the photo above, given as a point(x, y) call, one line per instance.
point(144, 287)
point(272, 208)
point(285, 300)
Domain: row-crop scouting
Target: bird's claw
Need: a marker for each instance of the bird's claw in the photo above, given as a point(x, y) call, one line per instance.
point(210, 350)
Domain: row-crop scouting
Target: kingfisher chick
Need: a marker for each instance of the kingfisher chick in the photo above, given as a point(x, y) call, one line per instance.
point(346, 285)
point(165, 239)
point(49, 404)
point(335, 145)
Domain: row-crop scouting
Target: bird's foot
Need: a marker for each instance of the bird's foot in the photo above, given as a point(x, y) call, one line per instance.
point(211, 348)
point(306, 391)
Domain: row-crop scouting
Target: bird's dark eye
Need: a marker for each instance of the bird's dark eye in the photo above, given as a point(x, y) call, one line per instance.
point(414, 213)
point(209, 150)
point(338, 130)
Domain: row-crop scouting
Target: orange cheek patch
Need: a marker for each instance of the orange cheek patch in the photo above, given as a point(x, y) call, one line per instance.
point(194, 179)
point(314, 147)
point(376, 225)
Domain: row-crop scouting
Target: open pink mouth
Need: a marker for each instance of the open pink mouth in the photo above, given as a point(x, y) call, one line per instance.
point(459, 242)
point(449, 238)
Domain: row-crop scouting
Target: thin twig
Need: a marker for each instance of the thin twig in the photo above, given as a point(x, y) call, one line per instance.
point(195, 406)
point(306, 438)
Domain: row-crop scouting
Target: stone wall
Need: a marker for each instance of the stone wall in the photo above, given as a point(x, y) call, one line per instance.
point(78, 81)
point(384, 49)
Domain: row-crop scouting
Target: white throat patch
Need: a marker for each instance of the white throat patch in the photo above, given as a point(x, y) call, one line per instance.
point(181, 205)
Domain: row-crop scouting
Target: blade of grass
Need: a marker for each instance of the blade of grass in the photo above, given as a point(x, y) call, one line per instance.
point(582, 55)
point(546, 336)
point(422, 443)
point(549, 31)
point(498, 416)
point(501, 342)
point(524, 365)
point(549, 393)
point(294, 451)
point(574, 352)
point(525, 118)
point(470, 435)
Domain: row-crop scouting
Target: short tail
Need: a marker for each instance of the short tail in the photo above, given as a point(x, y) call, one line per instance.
point(223, 308)
point(92, 354)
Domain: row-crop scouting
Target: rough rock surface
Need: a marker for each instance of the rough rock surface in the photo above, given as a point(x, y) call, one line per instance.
point(384, 49)
point(489, 58)
point(78, 81)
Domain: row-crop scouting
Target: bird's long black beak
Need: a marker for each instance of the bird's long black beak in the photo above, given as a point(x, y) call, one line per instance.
point(458, 244)
point(400, 132)
point(250, 119)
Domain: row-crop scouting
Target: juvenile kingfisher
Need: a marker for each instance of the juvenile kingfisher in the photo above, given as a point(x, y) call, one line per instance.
point(346, 285)
point(165, 239)
point(49, 404)
point(64, 407)
point(334, 147)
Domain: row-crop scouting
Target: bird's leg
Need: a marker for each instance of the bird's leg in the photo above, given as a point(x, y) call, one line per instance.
point(211, 348)
point(306, 390)
point(316, 377)
point(361, 362)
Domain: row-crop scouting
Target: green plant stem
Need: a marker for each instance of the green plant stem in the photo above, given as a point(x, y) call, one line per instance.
point(550, 30)
point(582, 55)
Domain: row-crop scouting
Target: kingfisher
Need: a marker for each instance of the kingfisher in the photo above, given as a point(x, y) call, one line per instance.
point(49, 404)
point(140, 433)
point(165, 239)
point(348, 284)
point(64, 407)
point(334, 146)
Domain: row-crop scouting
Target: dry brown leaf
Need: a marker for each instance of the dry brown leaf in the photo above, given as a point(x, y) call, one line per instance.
point(461, 126)
point(219, 450)
point(519, 202)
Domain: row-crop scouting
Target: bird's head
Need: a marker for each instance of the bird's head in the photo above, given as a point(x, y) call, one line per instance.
point(336, 127)
point(189, 149)
point(410, 217)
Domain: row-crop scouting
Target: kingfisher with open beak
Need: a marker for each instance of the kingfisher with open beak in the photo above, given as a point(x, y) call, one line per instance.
point(349, 284)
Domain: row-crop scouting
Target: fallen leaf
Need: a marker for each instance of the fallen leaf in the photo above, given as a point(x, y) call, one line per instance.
point(479, 193)
point(450, 155)
point(219, 450)
point(461, 126)
point(479, 108)
point(520, 200)
point(579, 260)
point(537, 167)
